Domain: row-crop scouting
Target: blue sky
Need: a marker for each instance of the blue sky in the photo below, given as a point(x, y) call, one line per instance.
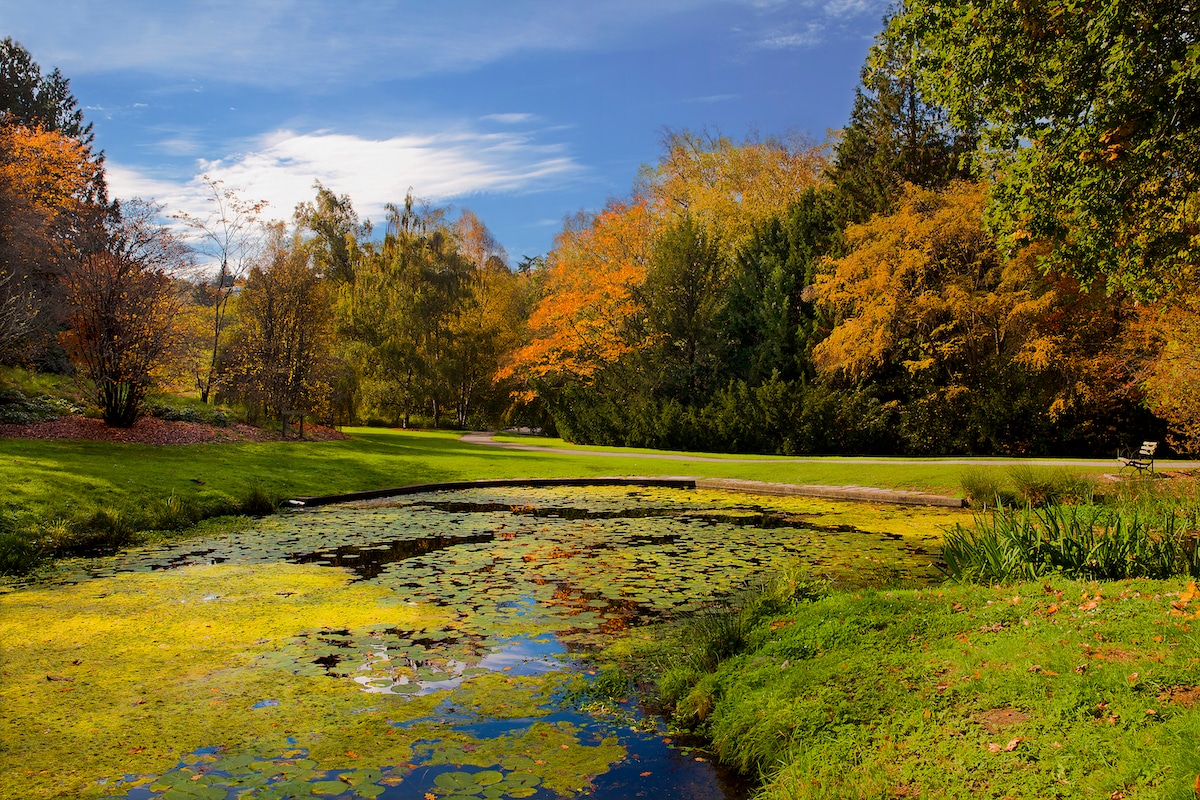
point(523, 111)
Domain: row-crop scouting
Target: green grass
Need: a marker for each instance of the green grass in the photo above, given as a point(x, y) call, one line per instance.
point(51, 478)
point(1059, 689)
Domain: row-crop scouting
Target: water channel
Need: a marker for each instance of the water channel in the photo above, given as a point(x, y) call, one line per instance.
point(433, 646)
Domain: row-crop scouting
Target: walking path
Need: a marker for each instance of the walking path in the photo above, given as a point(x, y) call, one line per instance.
point(489, 440)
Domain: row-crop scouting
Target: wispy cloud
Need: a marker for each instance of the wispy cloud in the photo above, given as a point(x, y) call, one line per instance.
point(812, 34)
point(509, 119)
point(313, 43)
point(711, 98)
point(281, 168)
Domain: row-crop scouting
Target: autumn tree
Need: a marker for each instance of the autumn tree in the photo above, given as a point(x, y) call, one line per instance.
point(975, 352)
point(123, 309)
point(47, 220)
point(279, 355)
point(1171, 367)
point(230, 235)
point(1090, 113)
point(581, 323)
point(31, 99)
point(488, 323)
point(728, 187)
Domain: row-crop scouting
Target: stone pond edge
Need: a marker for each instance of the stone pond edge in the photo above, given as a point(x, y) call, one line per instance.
point(860, 494)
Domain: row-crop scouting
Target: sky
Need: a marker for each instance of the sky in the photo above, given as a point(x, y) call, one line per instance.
point(524, 111)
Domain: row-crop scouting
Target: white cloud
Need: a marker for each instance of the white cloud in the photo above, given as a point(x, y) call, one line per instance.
point(282, 166)
point(509, 119)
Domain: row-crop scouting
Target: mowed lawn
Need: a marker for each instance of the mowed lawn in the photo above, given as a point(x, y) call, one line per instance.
point(48, 478)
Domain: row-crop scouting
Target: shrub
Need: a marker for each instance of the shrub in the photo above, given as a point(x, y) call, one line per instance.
point(188, 413)
point(983, 489)
point(18, 409)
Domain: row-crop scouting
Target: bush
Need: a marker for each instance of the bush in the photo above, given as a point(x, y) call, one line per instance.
point(18, 409)
point(258, 502)
point(983, 490)
point(204, 415)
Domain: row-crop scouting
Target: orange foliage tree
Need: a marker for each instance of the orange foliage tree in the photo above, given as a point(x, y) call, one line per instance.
point(46, 180)
point(581, 323)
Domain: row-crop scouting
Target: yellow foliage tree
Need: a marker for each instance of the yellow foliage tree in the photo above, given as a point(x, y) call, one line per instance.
point(728, 187)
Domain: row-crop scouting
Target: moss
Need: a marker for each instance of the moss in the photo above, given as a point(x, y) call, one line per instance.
point(131, 673)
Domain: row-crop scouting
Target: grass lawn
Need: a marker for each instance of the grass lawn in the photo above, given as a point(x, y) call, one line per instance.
point(46, 479)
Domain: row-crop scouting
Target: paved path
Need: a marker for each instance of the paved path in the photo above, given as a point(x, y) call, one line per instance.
point(488, 439)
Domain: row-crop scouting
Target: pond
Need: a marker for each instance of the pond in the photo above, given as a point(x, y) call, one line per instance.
point(434, 646)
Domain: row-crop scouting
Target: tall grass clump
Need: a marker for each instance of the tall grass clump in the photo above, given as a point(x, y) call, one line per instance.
point(21, 551)
point(1038, 486)
point(1090, 542)
point(711, 636)
point(983, 488)
point(258, 502)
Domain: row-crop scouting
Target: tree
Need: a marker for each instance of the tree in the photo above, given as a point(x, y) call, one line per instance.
point(279, 354)
point(684, 294)
point(46, 220)
point(122, 319)
point(230, 234)
point(974, 352)
point(337, 232)
point(769, 319)
point(1090, 113)
point(895, 137)
point(1172, 368)
point(727, 187)
point(582, 321)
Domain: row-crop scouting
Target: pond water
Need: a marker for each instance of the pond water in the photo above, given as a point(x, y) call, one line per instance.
point(429, 647)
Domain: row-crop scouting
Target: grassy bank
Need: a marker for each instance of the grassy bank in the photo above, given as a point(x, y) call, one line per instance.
point(1057, 689)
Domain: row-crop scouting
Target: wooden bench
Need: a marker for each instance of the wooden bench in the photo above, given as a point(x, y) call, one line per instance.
point(1142, 460)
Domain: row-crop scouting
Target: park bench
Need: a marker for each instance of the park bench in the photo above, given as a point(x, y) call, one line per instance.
point(1142, 460)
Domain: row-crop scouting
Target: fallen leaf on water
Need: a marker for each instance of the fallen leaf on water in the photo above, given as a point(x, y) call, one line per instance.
point(645, 774)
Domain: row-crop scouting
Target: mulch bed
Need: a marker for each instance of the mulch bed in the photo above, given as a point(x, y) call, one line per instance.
point(150, 430)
